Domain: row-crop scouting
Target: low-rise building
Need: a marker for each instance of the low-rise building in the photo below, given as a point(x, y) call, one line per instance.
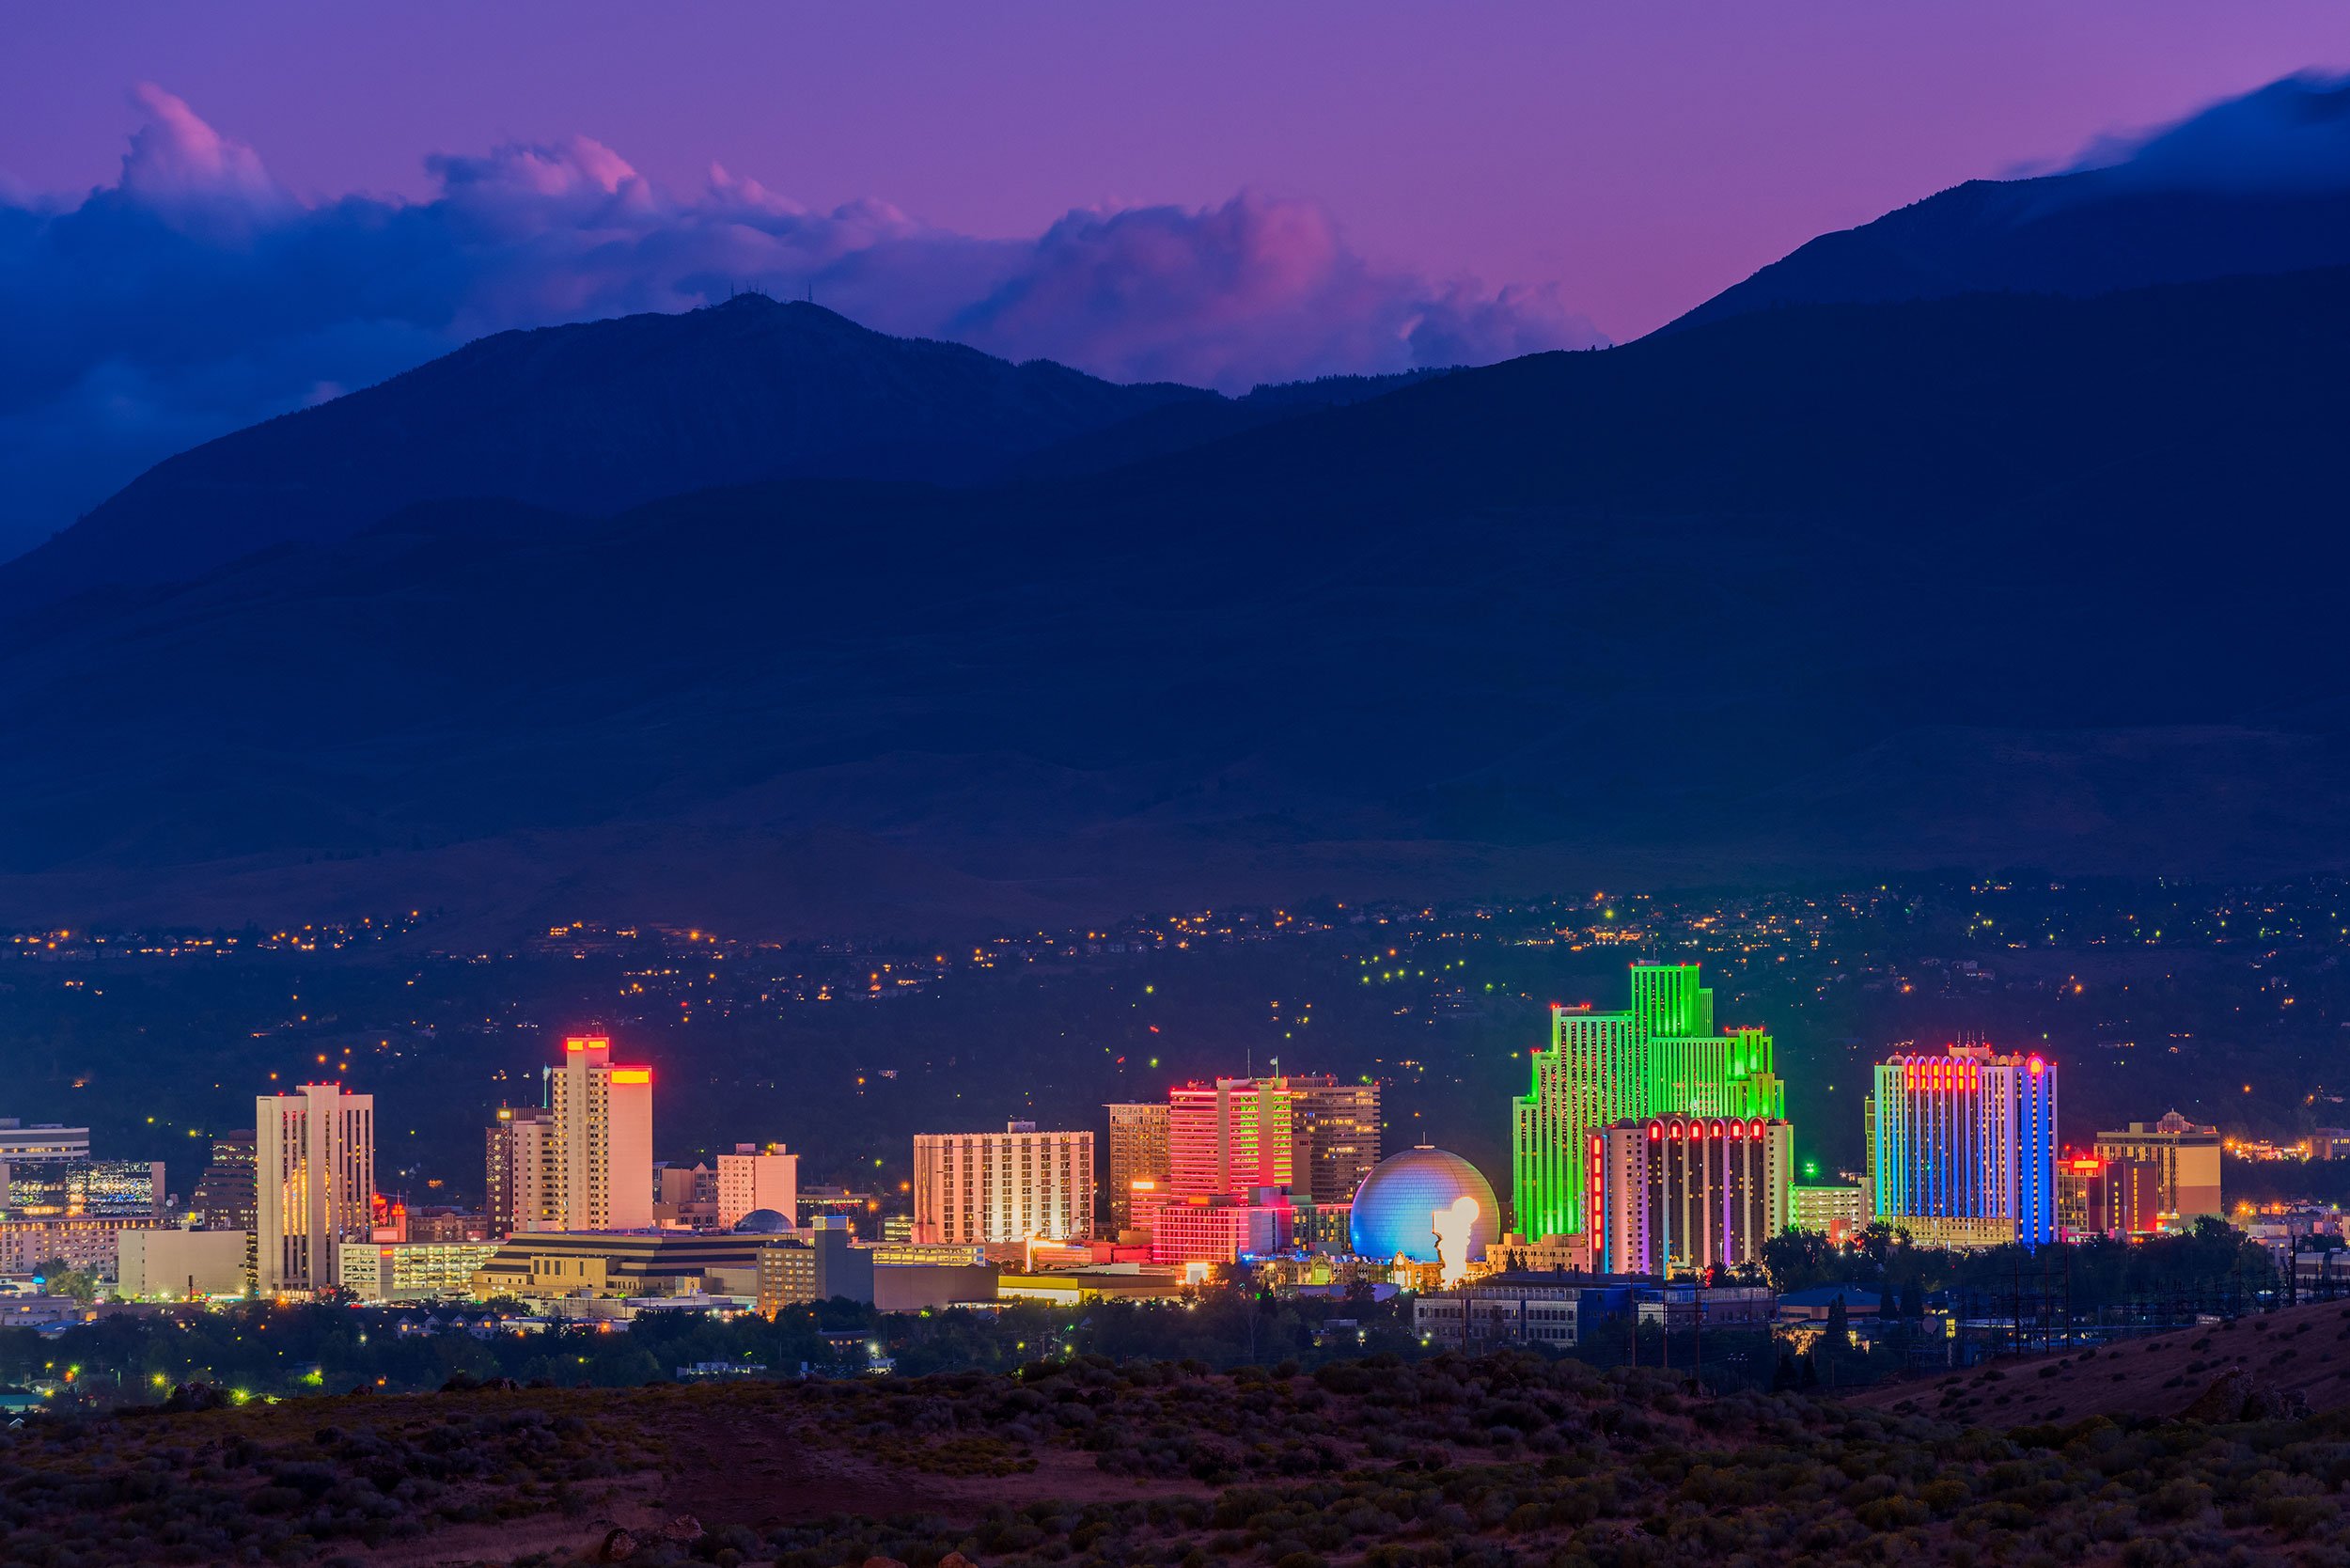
point(818, 1262)
point(414, 1270)
point(1513, 1310)
point(1680, 1307)
point(181, 1265)
point(88, 1245)
point(1517, 1254)
point(1954, 1234)
point(1222, 1228)
point(615, 1265)
point(1839, 1211)
point(1073, 1287)
point(928, 1287)
point(43, 1311)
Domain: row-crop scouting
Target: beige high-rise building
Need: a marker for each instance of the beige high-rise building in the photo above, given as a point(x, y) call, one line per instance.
point(2186, 1158)
point(980, 1188)
point(754, 1178)
point(520, 1167)
point(1137, 1154)
point(314, 1165)
point(603, 1127)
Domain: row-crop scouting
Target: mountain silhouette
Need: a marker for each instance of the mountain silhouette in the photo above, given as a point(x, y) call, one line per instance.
point(590, 419)
point(2089, 232)
point(1989, 579)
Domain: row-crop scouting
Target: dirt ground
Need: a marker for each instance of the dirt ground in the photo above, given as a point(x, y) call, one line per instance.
point(2300, 1353)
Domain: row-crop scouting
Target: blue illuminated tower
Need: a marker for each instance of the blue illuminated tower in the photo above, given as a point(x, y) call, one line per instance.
point(1963, 1147)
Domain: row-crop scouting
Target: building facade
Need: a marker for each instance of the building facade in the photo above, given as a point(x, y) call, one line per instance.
point(603, 1127)
point(552, 1265)
point(684, 1196)
point(79, 1188)
point(1964, 1145)
point(519, 1170)
point(1662, 1057)
point(1229, 1136)
point(1836, 1211)
point(2186, 1158)
point(1219, 1230)
point(2108, 1197)
point(42, 1141)
point(314, 1151)
point(414, 1270)
point(1138, 1157)
point(226, 1196)
point(758, 1178)
point(1684, 1193)
point(180, 1265)
point(91, 1245)
point(822, 1263)
point(1335, 1137)
point(1519, 1307)
point(996, 1188)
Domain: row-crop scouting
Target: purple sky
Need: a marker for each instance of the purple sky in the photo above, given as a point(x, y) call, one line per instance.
point(1640, 156)
point(211, 215)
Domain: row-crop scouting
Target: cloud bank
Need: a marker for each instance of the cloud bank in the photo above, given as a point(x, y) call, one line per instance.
point(195, 294)
point(2293, 135)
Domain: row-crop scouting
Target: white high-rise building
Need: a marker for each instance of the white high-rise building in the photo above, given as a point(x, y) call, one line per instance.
point(975, 1188)
point(313, 1158)
point(603, 1139)
point(754, 1178)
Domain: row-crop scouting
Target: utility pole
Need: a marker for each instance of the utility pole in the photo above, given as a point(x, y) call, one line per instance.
point(1697, 1334)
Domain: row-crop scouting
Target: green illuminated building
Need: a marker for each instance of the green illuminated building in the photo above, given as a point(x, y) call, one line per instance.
point(1662, 1057)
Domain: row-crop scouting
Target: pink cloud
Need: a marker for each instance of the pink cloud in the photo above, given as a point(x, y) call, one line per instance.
point(196, 294)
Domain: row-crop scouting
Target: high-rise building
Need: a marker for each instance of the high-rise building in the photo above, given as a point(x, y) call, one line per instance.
point(1335, 1137)
point(315, 1156)
point(519, 1171)
point(226, 1196)
point(1963, 1147)
point(1662, 1057)
point(2186, 1158)
point(1683, 1194)
point(996, 1188)
point(1231, 1136)
point(754, 1178)
point(603, 1139)
point(1137, 1154)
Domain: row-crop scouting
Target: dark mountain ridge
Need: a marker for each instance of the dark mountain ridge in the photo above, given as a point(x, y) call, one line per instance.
point(2090, 232)
point(1966, 581)
point(595, 418)
point(590, 418)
